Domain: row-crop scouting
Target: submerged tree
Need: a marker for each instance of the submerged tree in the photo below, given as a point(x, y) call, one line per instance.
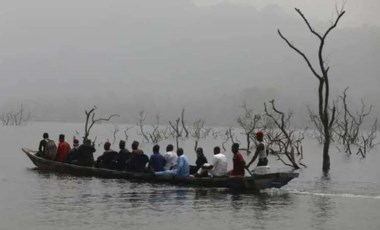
point(282, 139)
point(326, 111)
point(348, 128)
point(91, 121)
point(249, 122)
point(18, 118)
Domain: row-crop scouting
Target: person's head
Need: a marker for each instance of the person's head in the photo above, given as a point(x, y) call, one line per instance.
point(87, 142)
point(235, 147)
point(107, 146)
point(122, 144)
point(135, 145)
point(61, 137)
point(259, 135)
point(169, 148)
point(216, 150)
point(179, 151)
point(45, 135)
point(156, 148)
point(199, 152)
point(75, 142)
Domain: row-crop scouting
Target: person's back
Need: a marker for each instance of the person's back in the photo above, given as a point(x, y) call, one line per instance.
point(238, 161)
point(183, 168)
point(138, 161)
point(170, 157)
point(47, 148)
point(50, 150)
point(124, 156)
point(73, 154)
point(108, 159)
point(157, 161)
point(220, 165)
point(201, 160)
point(63, 149)
point(85, 156)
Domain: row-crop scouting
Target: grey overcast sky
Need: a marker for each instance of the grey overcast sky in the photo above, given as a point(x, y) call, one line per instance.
point(60, 57)
point(362, 12)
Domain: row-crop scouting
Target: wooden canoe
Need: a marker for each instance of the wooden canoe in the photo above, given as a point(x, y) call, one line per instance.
point(255, 182)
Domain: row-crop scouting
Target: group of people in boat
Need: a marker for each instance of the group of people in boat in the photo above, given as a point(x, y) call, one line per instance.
point(168, 163)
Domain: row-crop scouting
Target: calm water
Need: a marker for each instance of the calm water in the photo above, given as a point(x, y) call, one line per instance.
point(29, 199)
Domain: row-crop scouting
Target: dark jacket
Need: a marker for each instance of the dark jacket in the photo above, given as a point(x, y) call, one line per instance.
point(157, 162)
point(85, 155)
point(124, 156)
point(198, 164)
point(107, 160)
point(72, 156)
point(138, 162)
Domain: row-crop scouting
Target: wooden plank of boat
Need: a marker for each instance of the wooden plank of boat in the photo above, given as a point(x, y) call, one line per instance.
point(257, 182)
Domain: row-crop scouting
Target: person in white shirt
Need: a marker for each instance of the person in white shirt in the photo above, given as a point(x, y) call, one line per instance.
point(218, 167)
point(170, 157)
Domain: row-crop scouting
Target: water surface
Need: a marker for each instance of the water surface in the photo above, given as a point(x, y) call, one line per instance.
point(30, 199)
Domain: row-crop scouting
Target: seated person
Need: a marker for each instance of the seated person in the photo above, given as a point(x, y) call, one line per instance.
point(47, 148)
point(170, 157)
point(218, 167)
point(138, 161)
point(124, 156)
point(42, 145)
point(157, 161)
point(63, 149)
point(108, 159)
point(182, 168)
point(73, 154)
point(201, 160)
point(85, 154)
point(238, 162)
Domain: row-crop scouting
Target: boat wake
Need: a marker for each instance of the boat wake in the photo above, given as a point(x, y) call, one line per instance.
point(311, 193)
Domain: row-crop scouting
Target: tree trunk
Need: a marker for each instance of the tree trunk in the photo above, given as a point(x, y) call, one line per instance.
point(326, 156)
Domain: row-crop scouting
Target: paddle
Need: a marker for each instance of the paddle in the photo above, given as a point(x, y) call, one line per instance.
point(249, 171)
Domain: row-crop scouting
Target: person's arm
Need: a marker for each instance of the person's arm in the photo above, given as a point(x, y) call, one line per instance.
point(42, 145)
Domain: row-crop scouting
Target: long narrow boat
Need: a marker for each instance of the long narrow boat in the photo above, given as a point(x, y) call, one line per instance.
point(254, 182)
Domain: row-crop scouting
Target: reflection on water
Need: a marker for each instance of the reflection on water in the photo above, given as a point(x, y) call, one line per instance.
point(322, 206)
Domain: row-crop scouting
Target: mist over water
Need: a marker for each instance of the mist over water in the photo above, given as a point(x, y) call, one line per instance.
point(127, 56)
point(30, 199)
point(60, 58)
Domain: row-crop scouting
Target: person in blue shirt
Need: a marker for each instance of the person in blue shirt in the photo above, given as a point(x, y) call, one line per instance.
point(157, 161)
point(182, 168)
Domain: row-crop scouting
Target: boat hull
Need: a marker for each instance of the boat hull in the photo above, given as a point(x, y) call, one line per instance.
point(255, 182)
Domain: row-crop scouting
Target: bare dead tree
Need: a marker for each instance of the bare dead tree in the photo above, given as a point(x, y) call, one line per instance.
point(114, 133)
point(158, 134)
point(229, 135)
point(290, 144)
point(91, 121)
point(140, 123)
point(18, 118)
point(198, 132)
point(327, 119)
point(349, 128)
point(249, 121)
point(183, 123)
point(177, 131)
point(126, 133)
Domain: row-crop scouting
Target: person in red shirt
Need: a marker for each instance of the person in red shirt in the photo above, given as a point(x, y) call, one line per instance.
point(238, 161)
point(63, 149)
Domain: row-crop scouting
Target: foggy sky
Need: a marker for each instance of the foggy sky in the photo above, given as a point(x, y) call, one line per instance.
point(61, 57)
